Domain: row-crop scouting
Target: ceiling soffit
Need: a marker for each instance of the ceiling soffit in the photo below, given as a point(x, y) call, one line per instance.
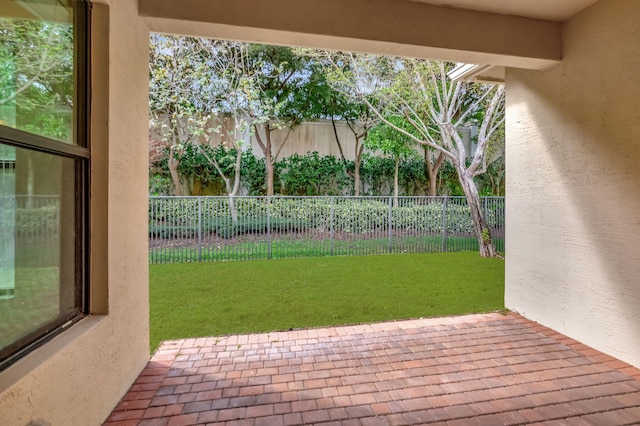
point(398, 27)
point(550, 10)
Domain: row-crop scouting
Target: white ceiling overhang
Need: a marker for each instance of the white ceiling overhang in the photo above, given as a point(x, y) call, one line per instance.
point(503, 33)
point(549, 10)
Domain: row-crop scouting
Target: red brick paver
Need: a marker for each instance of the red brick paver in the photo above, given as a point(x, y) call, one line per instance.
point(476, 369)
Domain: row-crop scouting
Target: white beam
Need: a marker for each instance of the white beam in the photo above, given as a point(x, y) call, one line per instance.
point(376, 26)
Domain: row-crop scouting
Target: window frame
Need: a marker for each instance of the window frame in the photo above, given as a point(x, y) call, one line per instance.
point(80, 153)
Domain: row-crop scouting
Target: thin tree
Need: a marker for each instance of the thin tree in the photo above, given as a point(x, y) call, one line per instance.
point(360, 121)
point(325, 102)
point(391, 142)
point(179, 112)
point(232, 89)
point(436, 108)
point(287, 86)
point(200, 88)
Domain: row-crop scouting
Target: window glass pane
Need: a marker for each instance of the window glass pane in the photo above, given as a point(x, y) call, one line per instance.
point(37, 243)
point(37, 82)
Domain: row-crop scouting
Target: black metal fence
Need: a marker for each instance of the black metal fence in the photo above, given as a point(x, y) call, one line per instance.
point(192, 229)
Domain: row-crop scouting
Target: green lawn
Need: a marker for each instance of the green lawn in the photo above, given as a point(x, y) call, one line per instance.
point(211, 299)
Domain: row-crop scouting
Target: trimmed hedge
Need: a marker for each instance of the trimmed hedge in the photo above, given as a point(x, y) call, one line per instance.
point(178, 217)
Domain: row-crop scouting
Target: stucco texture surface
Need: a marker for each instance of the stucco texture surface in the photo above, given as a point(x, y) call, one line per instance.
point(573, 184)
point(78, 377)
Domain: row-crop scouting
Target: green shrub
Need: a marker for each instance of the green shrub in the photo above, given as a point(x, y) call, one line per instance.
point(228, 229)
point(313, 174)
point(356, 216)
point(171, 231)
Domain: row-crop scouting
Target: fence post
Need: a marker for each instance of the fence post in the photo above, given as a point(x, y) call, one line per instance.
point(176, 223)
point(269, 227)
point(390, 225)
point(484, 209)
point(199, 229)
point(331, 228)
point(444, 224)
point(153, 212)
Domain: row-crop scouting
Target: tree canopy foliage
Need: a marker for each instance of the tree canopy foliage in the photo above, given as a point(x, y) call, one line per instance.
point(434, 107)
point(390, 104)
point(36, 77)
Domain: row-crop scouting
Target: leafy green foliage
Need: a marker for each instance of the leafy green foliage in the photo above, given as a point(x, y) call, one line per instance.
point(160, 184)
point(286, 82)
point(253, 170)
point(389, 140)
point(195, 166)
point(349, 215)
point(194, 163)
point(312, 174)
point(36, 77)
point(272, 87)
point(492, 182)
point(307, 247)
point(449, 175)
point(377, 173)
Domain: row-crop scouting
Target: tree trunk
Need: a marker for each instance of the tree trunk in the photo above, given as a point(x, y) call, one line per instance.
point(173, 163)
point(233, 192)
point(265, 146)
point(269, 164)
point(358, 156)
point(433, 187)
point(356, 177)
point(483, 233)
point(233, 209)
point(395, 182)
point(432, 171)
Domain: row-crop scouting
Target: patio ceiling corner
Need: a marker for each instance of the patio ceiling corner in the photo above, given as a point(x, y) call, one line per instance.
point(477, 73)
point(376, 26)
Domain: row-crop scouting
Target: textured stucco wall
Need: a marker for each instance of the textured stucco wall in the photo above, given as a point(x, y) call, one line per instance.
point(573, 184)
point(79, 377)
point(305, 137)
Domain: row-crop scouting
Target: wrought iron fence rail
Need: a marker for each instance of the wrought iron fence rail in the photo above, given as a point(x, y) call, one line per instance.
point(29, 231)
point(190, 229)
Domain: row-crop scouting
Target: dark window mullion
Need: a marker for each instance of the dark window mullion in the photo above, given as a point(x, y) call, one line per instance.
point(82, 64)
point(82, 68)
point(82, 239)
point(22, 139)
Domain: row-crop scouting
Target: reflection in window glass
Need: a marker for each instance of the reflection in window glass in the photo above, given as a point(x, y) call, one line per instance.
point(37, 250)
point(7, 221)
point(36, 67)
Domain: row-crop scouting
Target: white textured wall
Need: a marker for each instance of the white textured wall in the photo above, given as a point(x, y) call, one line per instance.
point(573, 184)
point(79, 377)
point(309, 137)
point(306, 137)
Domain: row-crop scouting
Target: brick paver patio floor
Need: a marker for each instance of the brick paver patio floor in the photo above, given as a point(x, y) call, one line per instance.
point(471, 370)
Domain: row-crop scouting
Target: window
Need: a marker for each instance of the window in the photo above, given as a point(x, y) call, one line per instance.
point(44, 164)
